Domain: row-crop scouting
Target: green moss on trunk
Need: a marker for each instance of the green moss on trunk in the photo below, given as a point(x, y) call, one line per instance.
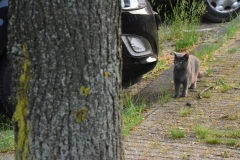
point(22, 146)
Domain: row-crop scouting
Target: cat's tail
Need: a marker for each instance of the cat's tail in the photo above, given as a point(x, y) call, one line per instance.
point(201, 74)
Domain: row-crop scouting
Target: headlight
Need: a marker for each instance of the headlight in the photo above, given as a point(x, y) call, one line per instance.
point(137, 46)
point(132, 4)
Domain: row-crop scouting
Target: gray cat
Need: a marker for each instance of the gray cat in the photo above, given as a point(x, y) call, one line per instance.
point(186, 72)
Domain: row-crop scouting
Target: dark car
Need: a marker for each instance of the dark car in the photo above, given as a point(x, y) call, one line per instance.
point(139, 40)
point(5, 89)
point(139, 46)
point(216, 10)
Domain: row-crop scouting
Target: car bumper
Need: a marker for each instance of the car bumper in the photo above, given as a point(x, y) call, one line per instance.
point(142, 24)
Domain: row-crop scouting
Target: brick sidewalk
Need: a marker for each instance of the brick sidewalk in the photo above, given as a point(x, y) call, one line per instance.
point(220, 112)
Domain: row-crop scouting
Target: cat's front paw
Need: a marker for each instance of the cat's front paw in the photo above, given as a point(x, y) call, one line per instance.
point(175, 95)
point(184, 95)
point(193, 86)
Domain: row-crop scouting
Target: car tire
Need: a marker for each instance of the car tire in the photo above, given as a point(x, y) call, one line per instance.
point(214, 13)
point(5, 82)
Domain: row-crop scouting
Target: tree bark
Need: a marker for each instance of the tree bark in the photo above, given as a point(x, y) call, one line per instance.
point(65, 60)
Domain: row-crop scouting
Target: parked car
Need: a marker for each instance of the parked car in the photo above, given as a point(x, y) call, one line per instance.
point(5, 89)
point(139, 46)
point(216, 10)
point(139, 40)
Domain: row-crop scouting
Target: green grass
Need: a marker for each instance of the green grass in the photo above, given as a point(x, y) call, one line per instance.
point(201, 132)
point(164, 97)
point(132, 114)
point(184, 155)
point(231, 142)
point(209, 71)
point(232, 51)
point(177, 133)
point(6, 135)
point(217, 133)
point(226, 154)
point(182, 23)
point(185, 21)
point(233, 134)
point(216, 136)
point(232, 117)
point(213, 140)
point(6, 140)
point(205, 54)
point(185, 112)
point(224, 88)
point(232, 29)
point(162, 65)
point(206, 95)
point(188, 39)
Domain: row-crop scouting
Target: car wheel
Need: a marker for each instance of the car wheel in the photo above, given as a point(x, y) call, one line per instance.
point(5, 89)
point(221, 10)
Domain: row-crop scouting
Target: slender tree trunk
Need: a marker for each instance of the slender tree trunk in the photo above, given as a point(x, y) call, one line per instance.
point(66, 79)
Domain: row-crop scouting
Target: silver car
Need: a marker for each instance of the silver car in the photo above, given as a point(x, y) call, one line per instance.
point(216, 10)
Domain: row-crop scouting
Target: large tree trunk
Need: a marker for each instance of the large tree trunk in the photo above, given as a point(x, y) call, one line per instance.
point(66, 76)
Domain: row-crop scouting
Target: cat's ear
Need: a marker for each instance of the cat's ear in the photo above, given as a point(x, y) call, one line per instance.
point(175, 54)
point(186, 56)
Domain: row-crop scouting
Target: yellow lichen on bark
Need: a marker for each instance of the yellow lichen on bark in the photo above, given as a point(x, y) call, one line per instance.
point(85, 91)
point(106, 74)
point(81, 115)
point(21, 143)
